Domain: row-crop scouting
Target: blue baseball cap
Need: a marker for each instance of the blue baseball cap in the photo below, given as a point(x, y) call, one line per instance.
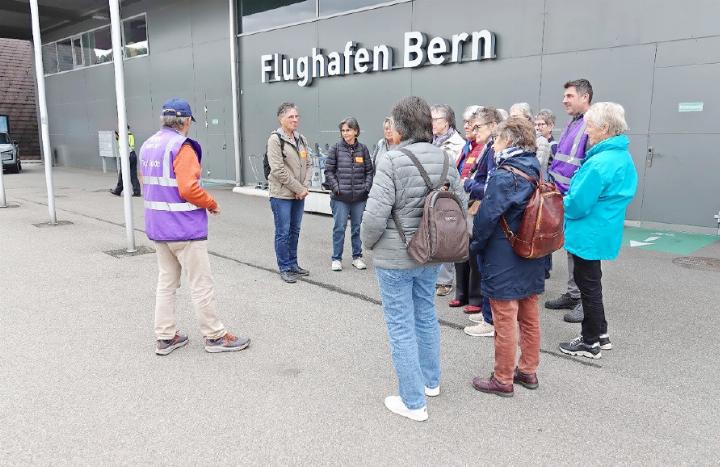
point(177, 107)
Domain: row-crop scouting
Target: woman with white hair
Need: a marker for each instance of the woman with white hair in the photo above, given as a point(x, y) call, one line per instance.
point(595, 204)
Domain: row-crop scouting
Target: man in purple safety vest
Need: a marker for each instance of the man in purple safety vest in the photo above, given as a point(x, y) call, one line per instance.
point(567, 160)
point(176, 208)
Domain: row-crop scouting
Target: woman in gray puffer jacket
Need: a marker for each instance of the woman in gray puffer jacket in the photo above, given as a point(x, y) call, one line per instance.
point(349, 176)
point(407, 288)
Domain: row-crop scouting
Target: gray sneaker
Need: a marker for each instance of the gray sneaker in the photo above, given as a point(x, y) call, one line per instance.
point(226, 343)
point(288, 276)
point(576, 315)
point(605, 343)
point(166, 346)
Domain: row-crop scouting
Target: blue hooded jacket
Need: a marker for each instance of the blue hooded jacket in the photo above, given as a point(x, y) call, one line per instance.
point(505, 275)
point(595, 204)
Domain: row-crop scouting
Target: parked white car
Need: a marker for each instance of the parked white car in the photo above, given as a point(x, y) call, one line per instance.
point(10, 152)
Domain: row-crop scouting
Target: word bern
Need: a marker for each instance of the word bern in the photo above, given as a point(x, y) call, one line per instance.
point(418, 51)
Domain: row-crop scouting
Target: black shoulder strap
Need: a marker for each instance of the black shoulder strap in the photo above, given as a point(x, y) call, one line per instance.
point(423, 172)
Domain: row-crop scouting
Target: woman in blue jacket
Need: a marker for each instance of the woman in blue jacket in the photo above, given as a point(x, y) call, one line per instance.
point(595, 204)
point(349, 175)
point(510, 282)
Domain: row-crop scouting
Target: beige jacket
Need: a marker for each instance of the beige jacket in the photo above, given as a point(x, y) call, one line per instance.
point(291, 174)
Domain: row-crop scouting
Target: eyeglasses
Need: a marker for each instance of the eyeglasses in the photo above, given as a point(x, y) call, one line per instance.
point(479, 125)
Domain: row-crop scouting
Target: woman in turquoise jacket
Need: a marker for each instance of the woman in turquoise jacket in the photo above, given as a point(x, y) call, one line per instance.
point(595, 204)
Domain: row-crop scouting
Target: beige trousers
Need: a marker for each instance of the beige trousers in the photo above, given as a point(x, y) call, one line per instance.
point(173, 258)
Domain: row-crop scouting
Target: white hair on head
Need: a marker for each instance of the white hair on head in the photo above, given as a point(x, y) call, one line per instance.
point(610, 114)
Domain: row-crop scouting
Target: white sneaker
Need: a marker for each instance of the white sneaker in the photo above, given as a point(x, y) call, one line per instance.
point(395, 405)
point(480, 330)
point(337, 265)
point(359, 263)
point(476, 318)
point(432, 392)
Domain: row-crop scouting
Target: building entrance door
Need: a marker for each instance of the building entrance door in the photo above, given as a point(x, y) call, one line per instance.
point(683, 157)
point(215, 162)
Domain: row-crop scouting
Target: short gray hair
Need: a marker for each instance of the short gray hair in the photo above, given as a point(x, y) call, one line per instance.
point(351, 122)
point(469, 111)
point(607, 113)
point(172, 121)
point(504, 115)
point(547, 116)
point(487, 115)
point(522, 108)
point(412, 119)
point(447, 112)
point(388, 120)
point(285, 107)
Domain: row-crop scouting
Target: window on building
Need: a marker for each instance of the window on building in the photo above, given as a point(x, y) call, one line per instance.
point(65, 55)
point(135, 37)
point(49, 56)
point(263, 14)
point(78, 58)
point(101, 46)
point(331, 7)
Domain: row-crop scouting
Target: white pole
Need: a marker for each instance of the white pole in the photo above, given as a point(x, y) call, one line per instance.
point(42, 103)
point(122, 121)
point(233, 78)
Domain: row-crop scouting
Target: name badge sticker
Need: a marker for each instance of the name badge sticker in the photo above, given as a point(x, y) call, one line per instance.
point(303, 154)
point(359, 159)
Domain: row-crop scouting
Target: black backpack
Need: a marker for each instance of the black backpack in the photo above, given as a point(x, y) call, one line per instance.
point(266, 164)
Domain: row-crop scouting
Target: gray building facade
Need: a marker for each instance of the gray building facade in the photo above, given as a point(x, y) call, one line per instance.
point(660, 60)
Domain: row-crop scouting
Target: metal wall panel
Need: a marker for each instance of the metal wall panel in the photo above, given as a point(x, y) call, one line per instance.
point(688, 52)
point(573, 25)
point(683, 84)
point(492, 83)
point(208, 19)
point(519, 25)
point(622, 75)
point(169, 28)
point(260, 101)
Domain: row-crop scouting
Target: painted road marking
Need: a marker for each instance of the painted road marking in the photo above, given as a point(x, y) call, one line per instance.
point(678, 243)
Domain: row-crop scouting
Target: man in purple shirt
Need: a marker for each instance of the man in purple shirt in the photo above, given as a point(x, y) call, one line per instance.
point(570, 154)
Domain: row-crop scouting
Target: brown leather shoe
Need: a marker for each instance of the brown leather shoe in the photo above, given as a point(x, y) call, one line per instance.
point(529, 380)
point(493, 386)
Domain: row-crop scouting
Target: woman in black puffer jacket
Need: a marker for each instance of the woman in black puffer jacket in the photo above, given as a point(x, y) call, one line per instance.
point(349, 176)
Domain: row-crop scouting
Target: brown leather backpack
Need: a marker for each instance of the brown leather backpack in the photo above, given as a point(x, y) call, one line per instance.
point(541, 227)
point(442, 235)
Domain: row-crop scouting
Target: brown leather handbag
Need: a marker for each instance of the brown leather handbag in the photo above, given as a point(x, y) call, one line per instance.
point(442, 235)
point(541, 227)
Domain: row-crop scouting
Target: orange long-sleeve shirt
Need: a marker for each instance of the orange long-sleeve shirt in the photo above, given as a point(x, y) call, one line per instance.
point(187, 172)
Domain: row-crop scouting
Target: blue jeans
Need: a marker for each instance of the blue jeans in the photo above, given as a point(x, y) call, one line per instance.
point(408, 297)
point(288, 215)
point(486, 310)
point(341, 211)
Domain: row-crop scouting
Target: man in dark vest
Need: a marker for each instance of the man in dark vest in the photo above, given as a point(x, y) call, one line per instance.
point(176, 219)
point(567, 160)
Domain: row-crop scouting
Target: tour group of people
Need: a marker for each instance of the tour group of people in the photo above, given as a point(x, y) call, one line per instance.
point(383, 191)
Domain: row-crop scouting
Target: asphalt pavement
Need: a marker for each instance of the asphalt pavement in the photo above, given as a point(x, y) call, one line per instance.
point(81, 385)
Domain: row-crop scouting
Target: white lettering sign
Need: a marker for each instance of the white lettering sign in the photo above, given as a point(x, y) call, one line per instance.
point(418, 50)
